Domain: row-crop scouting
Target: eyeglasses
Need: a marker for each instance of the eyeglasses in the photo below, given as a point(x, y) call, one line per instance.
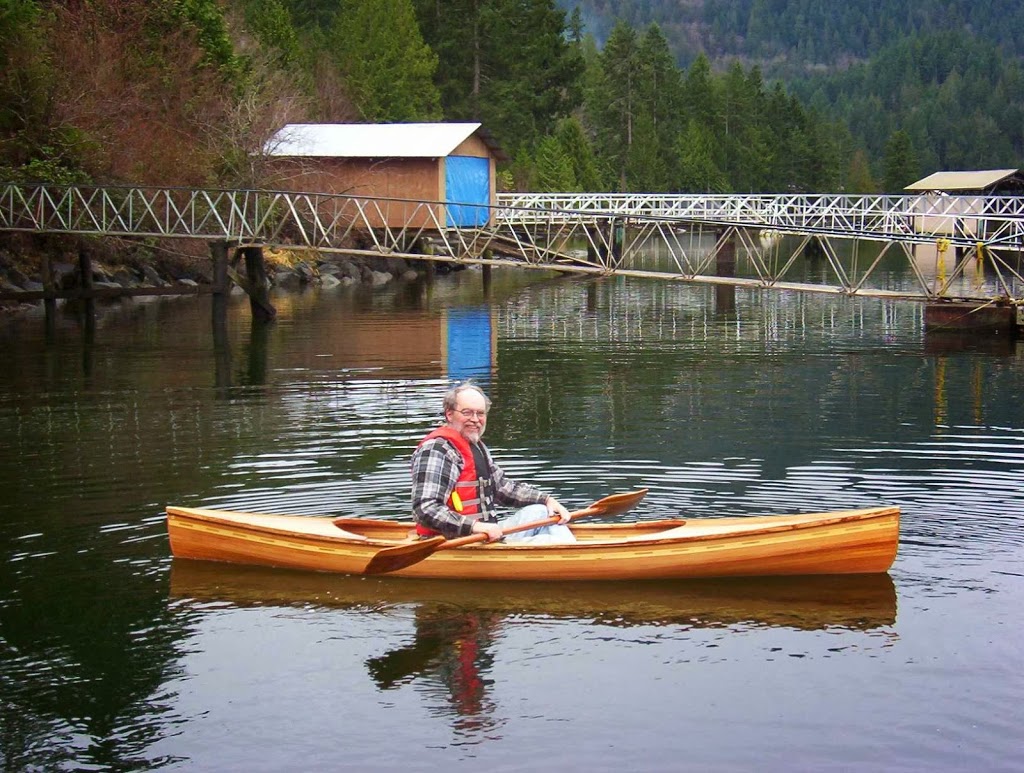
point(470, 414)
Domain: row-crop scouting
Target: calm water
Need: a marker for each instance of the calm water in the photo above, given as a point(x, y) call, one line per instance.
point(115, 657)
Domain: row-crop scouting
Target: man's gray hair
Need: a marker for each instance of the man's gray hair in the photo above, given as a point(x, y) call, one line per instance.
point(451, 397)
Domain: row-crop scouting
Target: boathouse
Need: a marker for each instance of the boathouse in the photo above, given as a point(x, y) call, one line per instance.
point(452, 164)
point(986, 182)
point(949, 202)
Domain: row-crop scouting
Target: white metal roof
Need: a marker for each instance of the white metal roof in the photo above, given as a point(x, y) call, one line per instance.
point(953, 181)
point(369, 140)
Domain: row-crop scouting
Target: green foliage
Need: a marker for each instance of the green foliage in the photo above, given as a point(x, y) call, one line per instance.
point(661, 129)
point(796, 36)
point(206, 17)
point(506, 63)
point(900, 164)
point(271, 22)
point(554, 169)
point(960, 100)
point(48, 167)
point(858, 177)
point(574, 114)
point(613, 99)
point(645, 171)
point(32, 147)
point(387, 66)
point(946, 71)
point(16, 18)
point(523, 171)
point(505, 180)
point(698, 170)
point(577, 148)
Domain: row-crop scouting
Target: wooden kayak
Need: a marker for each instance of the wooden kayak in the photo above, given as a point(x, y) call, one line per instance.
point(842, 542)
point(851, 601)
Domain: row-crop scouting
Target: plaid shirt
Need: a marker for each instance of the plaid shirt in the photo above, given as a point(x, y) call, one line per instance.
point(436, 466)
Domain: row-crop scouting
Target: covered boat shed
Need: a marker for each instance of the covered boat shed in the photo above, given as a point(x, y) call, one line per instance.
point(950, 202)
point(452, 164)
point(985, 182)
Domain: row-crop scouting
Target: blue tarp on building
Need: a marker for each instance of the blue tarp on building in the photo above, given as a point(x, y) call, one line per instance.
point(467, 182)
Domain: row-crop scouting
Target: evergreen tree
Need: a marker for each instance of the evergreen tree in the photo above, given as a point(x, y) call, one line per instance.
point(506, 63)
point(577, 148)
point(660, 86)
point(554, 172)
point(858, 177)
point(645, 167)
point(699, 93)
point(271, 21)
point(387, 67)
point(900, 163)
point(523, 173)
point(613, 100)
point(698, 171)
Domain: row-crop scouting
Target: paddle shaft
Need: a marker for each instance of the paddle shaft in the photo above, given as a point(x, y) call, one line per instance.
point(458, 542)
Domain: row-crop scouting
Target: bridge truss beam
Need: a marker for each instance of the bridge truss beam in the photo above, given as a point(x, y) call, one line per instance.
point(607, 234)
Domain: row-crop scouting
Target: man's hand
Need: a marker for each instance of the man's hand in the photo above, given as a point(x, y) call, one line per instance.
point(555, 508)
point(492, 530)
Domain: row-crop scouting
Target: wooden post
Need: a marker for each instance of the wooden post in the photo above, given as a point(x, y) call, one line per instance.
point(256, 370)
point(88, 339)
point(430, 267)
point(257, 285)
point(221, 343)
point(616, 239)
point(725, 256)
point(725, 265)
point(85, 270)
point(49, 303)
point(487, 275)
point(219, 253)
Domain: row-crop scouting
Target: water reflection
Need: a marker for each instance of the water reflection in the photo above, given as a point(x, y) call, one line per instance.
point(860, 602)
point(955, 342)
point(451, 654)
point(785, 404)
point(450, 659)
point(82, 665)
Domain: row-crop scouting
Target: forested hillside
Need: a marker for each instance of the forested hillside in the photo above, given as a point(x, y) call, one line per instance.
point(790, 37)
point(187, 92)
point(945, 74)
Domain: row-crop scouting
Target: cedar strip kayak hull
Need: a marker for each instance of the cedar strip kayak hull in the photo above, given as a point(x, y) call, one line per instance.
point(843, 542)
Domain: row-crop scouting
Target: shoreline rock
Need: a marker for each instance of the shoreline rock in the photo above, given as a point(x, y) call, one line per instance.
point(116, 265)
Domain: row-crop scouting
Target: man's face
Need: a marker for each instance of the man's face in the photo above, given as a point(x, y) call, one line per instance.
point(470, 415)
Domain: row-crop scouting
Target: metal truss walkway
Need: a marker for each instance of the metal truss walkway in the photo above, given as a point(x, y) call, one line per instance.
point(943, 247)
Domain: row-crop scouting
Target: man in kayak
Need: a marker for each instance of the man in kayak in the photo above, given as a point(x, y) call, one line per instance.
point(456, 485)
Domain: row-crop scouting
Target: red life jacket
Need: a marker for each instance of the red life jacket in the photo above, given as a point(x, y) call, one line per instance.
point(465, 497)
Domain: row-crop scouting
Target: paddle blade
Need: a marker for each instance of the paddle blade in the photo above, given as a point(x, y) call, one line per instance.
point(401, 556)
point(615, 504)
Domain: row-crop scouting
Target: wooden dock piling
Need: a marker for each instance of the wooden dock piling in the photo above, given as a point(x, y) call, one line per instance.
point(219, 254)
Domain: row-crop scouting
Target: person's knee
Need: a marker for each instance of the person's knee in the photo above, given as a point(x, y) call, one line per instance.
point(533, 513)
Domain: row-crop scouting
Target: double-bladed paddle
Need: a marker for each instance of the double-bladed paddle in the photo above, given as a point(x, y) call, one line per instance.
point(401, 556)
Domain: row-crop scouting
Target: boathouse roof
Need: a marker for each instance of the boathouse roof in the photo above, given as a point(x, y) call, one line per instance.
point(376, 140)
point(979, 181)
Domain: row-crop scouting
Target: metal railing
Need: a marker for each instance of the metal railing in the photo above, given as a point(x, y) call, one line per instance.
point(590, 233)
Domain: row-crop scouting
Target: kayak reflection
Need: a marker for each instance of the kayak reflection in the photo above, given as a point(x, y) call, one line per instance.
point(451, 655)
point(860, 602)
